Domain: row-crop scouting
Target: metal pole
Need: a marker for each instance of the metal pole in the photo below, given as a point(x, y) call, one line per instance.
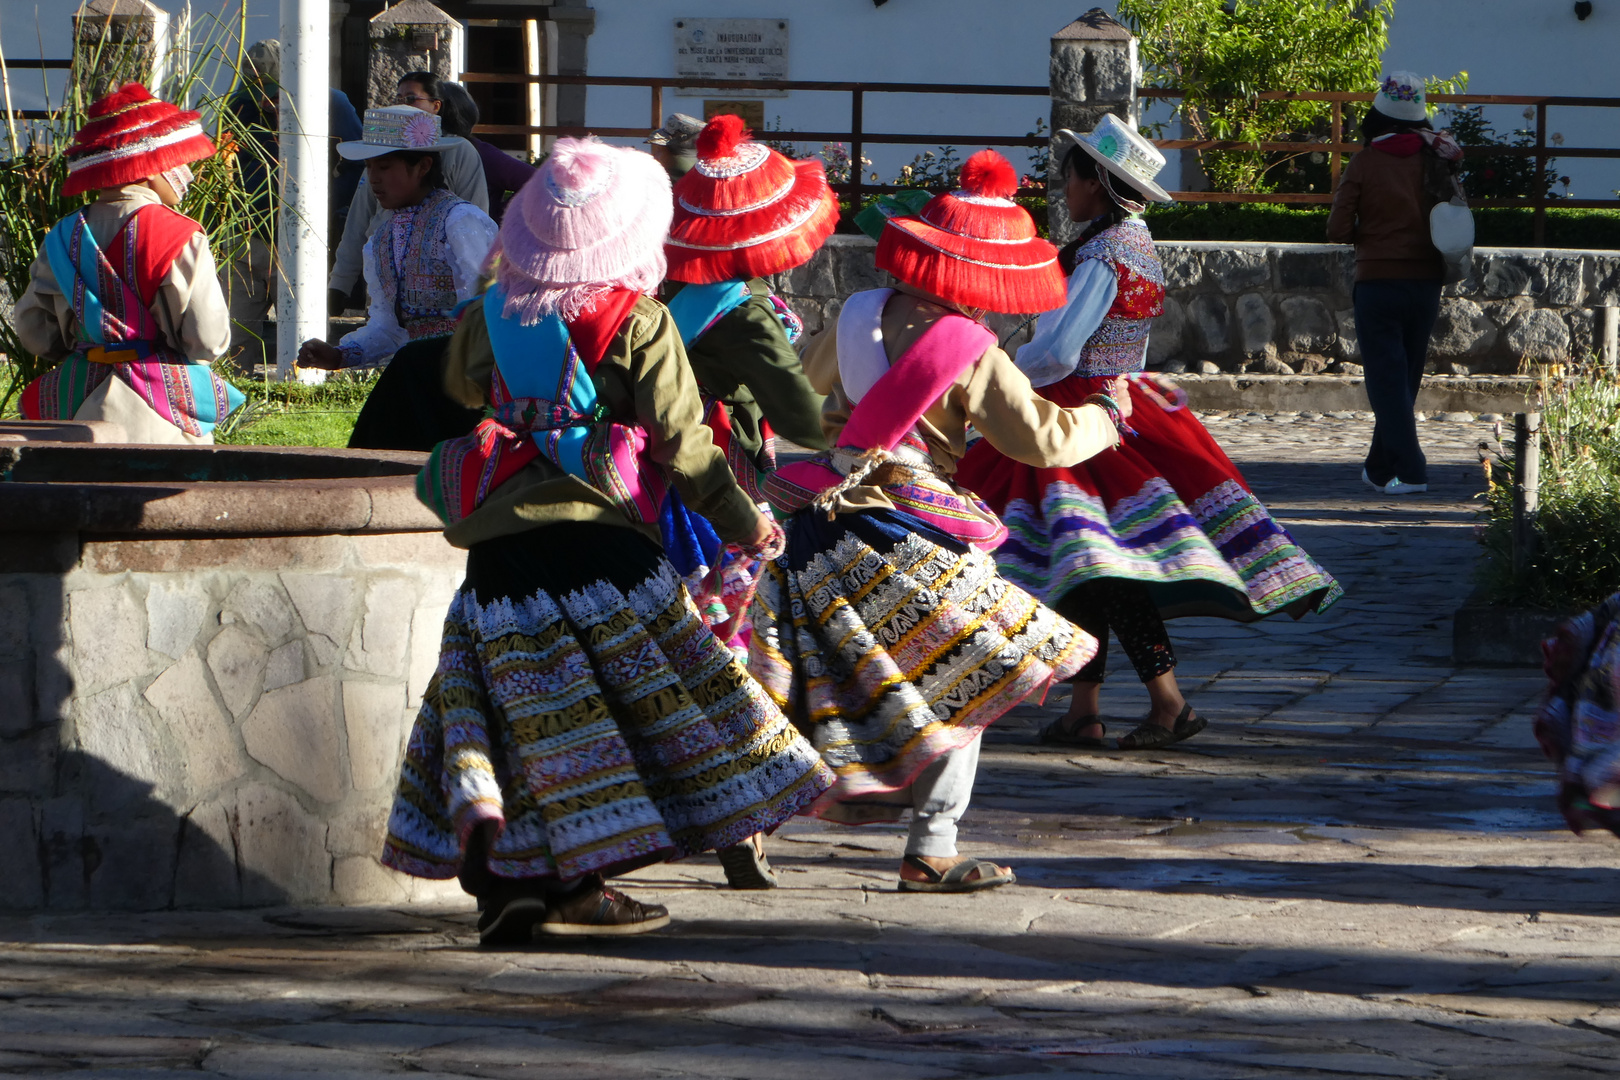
point(1526, 486)
point(301, 232)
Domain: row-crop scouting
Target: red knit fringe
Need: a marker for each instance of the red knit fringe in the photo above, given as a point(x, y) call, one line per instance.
point(1011, 291)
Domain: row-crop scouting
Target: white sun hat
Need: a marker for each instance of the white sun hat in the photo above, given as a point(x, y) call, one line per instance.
point(1400, 96)
point(1123, 151)
point(396, 127)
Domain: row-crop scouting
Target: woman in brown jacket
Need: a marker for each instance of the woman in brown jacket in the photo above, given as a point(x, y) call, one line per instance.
point(1382, 207)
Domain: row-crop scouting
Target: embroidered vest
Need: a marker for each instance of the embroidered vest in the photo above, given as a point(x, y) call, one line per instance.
point(119, 337)
point(413, 265)
point(546, 405)
point(1120, 343)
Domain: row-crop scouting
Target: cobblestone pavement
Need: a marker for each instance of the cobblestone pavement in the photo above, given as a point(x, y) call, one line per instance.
point(1355, 872)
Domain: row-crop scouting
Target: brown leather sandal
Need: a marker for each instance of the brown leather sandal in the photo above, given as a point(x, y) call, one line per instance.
point(1152, 737)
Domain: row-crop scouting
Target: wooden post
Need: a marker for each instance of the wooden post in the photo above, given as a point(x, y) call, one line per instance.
point(1526, 486)
point(856, 106)
point(657, 105)
point(1608, 335)
point(1540, 235)
point(1337, 137)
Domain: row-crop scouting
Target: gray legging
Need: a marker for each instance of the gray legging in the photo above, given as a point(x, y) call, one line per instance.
point(1394, 318)
point(939, 796)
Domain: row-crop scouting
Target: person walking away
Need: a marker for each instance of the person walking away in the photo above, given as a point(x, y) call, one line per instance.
point(742, 212)
point(504, 175)
point(885, 629)
point(125, 295)
point(463, 175)
point(583, 721)
point(1382, 207)
point(1164, 524)
point(424, 258)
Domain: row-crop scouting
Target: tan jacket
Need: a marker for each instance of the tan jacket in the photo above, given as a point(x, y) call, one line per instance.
point(645, 379)
point(1382, 208)
point(190, 306)
point(991, 394)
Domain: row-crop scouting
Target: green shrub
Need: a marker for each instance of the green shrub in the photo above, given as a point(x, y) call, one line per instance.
point(1497, 227)
point(1574, 562)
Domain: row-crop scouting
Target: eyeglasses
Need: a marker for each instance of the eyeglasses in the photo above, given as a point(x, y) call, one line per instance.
point(411, 99)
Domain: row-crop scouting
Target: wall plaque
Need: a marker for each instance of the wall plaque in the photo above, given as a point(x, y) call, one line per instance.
point(731, 49)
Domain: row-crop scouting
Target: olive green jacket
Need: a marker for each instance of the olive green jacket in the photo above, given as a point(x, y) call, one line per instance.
point(643, 379)
point(746, 360)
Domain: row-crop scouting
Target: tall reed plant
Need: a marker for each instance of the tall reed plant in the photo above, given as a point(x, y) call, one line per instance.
point(1574, 561)
point(206, 65)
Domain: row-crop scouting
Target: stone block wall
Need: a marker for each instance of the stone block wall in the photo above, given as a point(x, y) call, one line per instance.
point(1285, 309)
point(211, 722)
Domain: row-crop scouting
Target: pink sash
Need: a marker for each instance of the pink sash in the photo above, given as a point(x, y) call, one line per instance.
point(883, 418)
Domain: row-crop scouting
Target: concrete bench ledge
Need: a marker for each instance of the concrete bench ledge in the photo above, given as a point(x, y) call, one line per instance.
point(1346, 393)
point(209, 491)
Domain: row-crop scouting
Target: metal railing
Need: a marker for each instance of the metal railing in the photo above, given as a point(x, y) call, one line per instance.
point(857, 136)
point(1335, 147)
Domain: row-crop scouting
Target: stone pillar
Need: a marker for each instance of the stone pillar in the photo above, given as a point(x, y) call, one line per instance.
point(575, 20)
point(412, 36)
point(119, 41)
point(1094, 70)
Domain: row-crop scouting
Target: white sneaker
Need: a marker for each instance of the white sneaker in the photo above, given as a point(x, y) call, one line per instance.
point(1369, 480)
point(1396, 487)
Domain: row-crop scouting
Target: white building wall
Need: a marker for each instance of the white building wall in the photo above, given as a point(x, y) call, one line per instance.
point(1506, 46)
point(1525, 47)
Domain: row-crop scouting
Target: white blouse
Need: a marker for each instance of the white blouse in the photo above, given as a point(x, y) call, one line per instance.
point(469, 233)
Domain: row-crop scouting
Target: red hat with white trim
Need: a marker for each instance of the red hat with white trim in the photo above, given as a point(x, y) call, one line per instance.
point(975, 246)
point(745, 210)
point(130, 136)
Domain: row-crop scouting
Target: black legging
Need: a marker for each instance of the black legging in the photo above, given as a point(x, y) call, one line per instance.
point(1126, 608)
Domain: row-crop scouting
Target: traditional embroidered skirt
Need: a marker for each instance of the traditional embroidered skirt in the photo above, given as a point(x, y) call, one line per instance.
point(1578, 725)
point(1166, 508)
point(580, 702)
point(891, 643)
point(408, 408)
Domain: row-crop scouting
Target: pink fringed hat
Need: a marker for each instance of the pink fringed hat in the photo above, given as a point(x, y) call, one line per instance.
point(591, 218)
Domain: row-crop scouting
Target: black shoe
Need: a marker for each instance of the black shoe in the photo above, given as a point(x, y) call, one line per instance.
point(509, 920)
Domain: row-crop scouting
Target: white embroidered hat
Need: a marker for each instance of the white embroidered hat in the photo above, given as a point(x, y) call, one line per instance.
point(397, 127)
point(1123, 151)
point(1400, 97)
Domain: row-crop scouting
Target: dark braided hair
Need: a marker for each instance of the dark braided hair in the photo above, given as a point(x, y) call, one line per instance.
point(1083, 165)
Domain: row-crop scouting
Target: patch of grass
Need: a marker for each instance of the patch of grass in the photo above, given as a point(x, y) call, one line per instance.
point(1575, 561)
point(292, 414)
point(1498, 227)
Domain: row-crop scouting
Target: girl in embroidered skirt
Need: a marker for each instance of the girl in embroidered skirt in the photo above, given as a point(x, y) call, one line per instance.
point(583, 721)
point(125, 294)
point(742, 212)
point(423, 258)
point(1161, 526)
point(885, 629)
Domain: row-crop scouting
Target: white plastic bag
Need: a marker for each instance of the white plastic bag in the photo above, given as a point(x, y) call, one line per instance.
point(1451, 227)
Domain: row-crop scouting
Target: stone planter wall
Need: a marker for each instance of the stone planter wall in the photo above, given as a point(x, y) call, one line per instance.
point(210, 720)
point(1285, 309)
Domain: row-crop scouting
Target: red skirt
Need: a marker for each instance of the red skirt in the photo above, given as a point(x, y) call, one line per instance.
point(1167, 508)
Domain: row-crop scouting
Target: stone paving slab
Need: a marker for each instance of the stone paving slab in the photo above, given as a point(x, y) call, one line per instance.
point(1356, 871)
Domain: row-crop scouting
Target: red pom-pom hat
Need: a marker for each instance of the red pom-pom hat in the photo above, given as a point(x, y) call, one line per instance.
point(975, 246)
point(746, 211)
point(132, 135)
